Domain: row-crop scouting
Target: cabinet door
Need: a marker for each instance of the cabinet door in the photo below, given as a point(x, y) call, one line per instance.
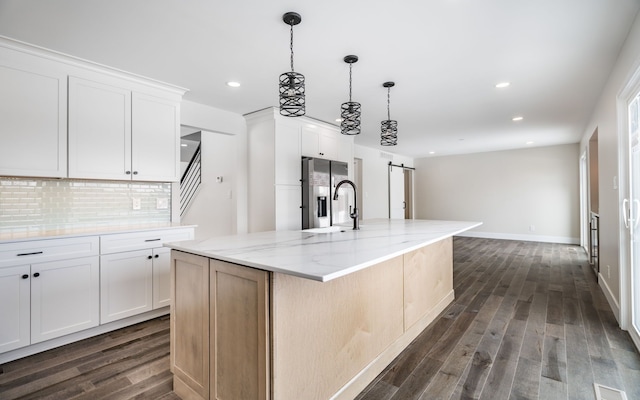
point(288, 211)
point(64, 297)
point(99, 130)
point(287, 154)
point(309, 142)
point(156, 136)
point(14, 307)
point(240, 348)
point(190, 325)
point(328, 145)
point(319, 142)
point(33, 117)
point(161, 277)
point(126, 284)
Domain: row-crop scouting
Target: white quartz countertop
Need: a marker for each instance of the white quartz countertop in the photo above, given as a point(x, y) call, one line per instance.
point(87, 231)
point(325, 256)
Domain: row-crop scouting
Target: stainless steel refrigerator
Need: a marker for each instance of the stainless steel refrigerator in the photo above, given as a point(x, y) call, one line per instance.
point(319, 179)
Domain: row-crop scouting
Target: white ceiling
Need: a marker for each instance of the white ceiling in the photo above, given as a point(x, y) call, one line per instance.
point(444, 55)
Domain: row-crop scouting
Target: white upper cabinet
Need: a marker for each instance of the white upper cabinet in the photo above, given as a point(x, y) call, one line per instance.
point(115, 133)
point(65, 117)
point(320, 143)
point(155, 138)
point(99, 130)
point(33, 116)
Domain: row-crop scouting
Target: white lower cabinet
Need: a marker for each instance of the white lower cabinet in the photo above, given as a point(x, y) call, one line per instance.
point(51, 288)
point(135, 272)
point(15, 295)
point(161, 277)
point(48, 288)
point(47, 300)
point(64, 297)
point(126, 284)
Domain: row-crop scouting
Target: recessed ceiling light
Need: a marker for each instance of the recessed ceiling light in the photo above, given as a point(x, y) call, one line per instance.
point(516, 119)
point(503, 85)
point(233, 84)
point(311, 126)
point(529, 142)
point(338, 119)
point(183, 145)
point(432, 152)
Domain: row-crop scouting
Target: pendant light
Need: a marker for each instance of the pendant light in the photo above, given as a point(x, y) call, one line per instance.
point(389, 127)
point(291, 87)
point(350, 111)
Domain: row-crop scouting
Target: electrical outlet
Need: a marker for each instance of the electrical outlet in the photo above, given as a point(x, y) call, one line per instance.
point(162, 203)
point(532, 228)
point(136, 203)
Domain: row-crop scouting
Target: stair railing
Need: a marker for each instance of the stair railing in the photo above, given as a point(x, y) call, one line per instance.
point(190, 181)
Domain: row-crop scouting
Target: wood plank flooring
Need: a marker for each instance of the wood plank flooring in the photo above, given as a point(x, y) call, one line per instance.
point(529, 322)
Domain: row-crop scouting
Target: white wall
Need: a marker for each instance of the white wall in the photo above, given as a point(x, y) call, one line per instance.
point(224, 154)
point(214, 208)
point(375, 180)
point(605, 120)
point(508, 191)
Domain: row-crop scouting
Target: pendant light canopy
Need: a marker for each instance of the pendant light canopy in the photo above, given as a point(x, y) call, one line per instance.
point(350, 111)
point(389, 127)
point(291, 87)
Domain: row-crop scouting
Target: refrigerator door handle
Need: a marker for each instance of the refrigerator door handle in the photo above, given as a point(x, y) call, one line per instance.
point(625, 205)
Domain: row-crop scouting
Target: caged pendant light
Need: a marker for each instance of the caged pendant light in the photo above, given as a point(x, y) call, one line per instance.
point(291, 87)
point(389, 127)
point(350, 111)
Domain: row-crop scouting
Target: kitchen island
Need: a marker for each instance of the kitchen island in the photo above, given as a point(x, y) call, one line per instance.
point(304, 314)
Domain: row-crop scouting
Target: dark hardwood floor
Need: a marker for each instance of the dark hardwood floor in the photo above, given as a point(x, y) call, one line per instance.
point(529, 322)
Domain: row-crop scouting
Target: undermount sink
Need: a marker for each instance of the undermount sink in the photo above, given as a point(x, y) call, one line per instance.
point(328, 229)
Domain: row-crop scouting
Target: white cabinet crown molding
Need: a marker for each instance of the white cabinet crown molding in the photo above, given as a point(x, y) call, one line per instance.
point(53, 55)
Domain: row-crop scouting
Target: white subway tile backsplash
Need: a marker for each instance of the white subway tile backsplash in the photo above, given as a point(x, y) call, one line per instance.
point(28, 204)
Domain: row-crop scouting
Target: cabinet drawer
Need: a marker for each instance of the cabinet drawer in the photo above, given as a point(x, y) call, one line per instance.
point(37, 251)
point(142, 240)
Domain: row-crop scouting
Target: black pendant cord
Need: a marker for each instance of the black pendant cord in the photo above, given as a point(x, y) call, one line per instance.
point(291, 47)
point(350, 70)
point(389, 103)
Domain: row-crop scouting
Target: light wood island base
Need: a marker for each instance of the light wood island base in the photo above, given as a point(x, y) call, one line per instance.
point(239, 332)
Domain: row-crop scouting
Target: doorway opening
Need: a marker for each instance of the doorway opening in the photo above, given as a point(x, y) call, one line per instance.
point(400, 192)
point(594, 204)
point(629, 206)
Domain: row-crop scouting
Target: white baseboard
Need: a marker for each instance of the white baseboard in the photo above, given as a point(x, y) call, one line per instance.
point(611, 299)
point(527, 238)
point(635, 338)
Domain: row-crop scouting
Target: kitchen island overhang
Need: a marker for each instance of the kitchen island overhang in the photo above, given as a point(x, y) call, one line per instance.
point(317, 315)
point(325, 256)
